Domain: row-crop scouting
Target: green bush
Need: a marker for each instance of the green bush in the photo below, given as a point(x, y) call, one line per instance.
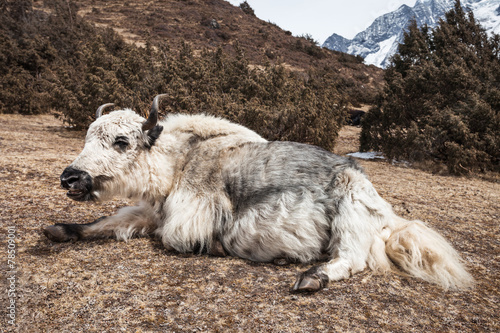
point(442, 99)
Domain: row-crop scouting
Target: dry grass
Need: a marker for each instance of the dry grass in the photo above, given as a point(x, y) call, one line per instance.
point(109, 286)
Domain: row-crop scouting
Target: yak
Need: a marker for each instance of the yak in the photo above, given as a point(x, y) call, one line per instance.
point(207, 185)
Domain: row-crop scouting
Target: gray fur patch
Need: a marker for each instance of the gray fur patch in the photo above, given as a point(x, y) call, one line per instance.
point(282, 199)
point(258, 172)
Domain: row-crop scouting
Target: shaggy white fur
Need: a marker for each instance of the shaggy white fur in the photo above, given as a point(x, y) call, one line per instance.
point(207, 181)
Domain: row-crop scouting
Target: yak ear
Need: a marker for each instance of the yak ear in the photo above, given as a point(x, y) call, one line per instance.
point(153, 135)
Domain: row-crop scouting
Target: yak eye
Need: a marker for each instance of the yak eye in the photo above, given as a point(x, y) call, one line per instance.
point(121, 142)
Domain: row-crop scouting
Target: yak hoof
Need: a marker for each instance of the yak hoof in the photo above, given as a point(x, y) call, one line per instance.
point(307, 283)
point(311, 280)
point(58, 233)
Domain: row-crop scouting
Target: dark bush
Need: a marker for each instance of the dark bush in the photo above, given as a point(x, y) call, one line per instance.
point(442, 99)
point(60, 62)
point(245, 7)
point(273, 101)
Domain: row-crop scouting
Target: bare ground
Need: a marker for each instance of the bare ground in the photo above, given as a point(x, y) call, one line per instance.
point(110, 286)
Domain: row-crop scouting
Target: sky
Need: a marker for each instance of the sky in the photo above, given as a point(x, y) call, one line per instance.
point(322, 18)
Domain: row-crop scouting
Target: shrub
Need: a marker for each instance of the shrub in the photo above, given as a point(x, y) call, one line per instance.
point(62, 63)
point(442, 99)
point(245, 7)
point(274, 101)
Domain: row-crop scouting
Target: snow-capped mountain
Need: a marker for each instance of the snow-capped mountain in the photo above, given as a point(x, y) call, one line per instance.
point(381, 39)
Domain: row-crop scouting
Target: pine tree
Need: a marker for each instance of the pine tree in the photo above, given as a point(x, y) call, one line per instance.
point(441, 102)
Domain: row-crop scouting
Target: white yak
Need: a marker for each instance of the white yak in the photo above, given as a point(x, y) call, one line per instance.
point(205, 184)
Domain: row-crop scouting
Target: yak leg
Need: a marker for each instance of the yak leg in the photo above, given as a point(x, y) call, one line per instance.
point(349, 256)
point(357, 233)
point(317, 277)
point(349, 261)
point(129, 221)
point(349, 249)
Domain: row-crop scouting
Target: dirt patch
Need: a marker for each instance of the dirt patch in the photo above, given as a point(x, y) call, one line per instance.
point(109, 286)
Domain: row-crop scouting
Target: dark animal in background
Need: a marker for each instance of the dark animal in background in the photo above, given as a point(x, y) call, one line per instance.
point(355, 117)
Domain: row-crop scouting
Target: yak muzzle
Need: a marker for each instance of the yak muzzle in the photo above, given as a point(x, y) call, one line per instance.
point(78, 183)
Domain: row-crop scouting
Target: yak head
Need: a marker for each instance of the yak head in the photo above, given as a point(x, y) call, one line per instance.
point(108, 161)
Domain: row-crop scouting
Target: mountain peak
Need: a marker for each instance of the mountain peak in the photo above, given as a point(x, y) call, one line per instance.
point(380, 40)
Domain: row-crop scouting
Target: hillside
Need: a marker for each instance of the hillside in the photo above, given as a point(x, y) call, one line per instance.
point(217, 23)
point(68, 57)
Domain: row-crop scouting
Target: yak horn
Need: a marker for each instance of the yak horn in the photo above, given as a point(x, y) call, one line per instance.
point(153, 114)
point(100, 109)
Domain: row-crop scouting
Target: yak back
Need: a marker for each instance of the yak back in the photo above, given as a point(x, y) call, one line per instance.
point(254, 171)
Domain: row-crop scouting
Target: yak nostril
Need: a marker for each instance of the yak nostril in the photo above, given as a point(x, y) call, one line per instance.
point(70, 177)
point(69, 180)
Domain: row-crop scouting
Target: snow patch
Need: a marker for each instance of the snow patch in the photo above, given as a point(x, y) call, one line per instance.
point(485, 13)
point(371, 155)
point(385, 48)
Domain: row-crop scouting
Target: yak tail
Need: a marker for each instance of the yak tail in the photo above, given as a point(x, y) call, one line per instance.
point(422, 252)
